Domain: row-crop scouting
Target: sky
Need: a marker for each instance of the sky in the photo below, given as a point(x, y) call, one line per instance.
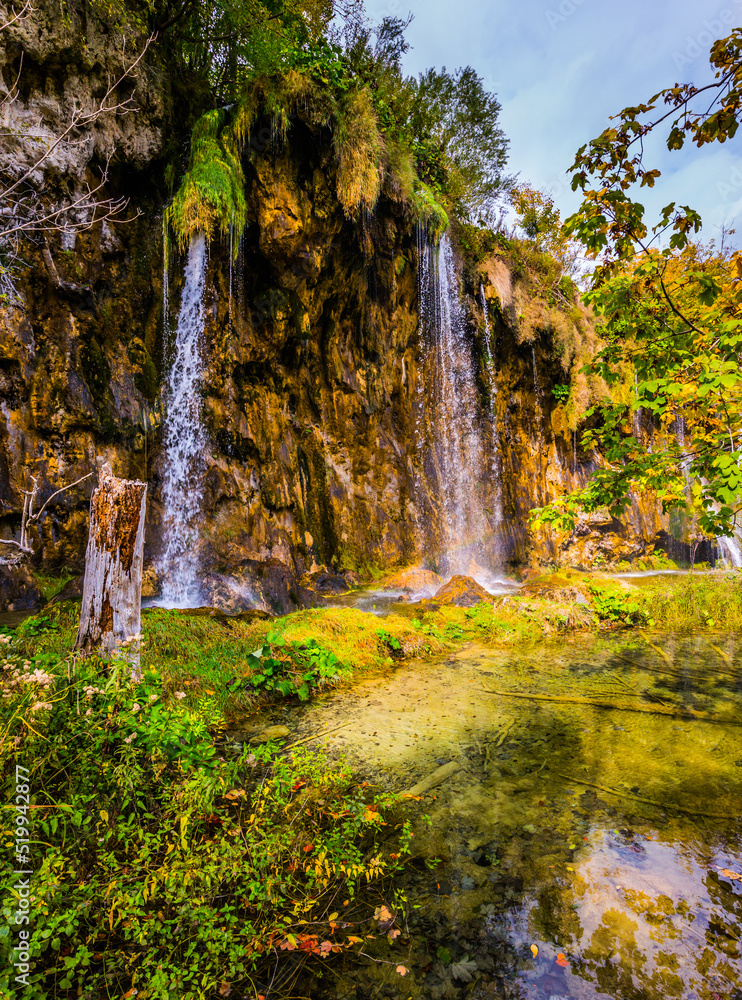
point(561, 68)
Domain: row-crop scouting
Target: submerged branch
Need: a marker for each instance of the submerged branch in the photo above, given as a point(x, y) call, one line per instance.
point(687, 713)
point(650, 802)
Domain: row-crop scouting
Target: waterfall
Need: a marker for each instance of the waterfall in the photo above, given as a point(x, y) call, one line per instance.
point(496, 447)
point(449, 418)
point(730, 551)
point(185, 440)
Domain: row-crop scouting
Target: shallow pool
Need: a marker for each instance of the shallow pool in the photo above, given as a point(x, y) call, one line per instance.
point(590, 839)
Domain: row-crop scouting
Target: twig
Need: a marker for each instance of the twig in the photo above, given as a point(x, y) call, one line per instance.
point(308, 739)
point(640, 798)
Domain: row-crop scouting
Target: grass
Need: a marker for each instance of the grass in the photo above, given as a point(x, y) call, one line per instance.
point(203, 655)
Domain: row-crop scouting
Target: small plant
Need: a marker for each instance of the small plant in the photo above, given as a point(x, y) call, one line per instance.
point(561, 392)
point(302, 667)
point(618, 608)
point(394, 644)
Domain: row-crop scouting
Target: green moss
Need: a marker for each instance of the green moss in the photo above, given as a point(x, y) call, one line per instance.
point(211, 195)
point(429, 211)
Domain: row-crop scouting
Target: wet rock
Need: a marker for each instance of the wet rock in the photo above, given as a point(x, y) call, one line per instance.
point(414, 579)
point(151, 586)
point(325, 583)
point(230, 594)
point(462, 591)
point(18, 589)
point(562, 589)
point(72, 591)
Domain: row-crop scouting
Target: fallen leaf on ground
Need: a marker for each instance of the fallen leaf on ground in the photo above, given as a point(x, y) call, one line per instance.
point(401, 970)
point(534, 950)
point(561, 960)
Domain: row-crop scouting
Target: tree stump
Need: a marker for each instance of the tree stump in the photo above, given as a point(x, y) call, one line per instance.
point(112, 591)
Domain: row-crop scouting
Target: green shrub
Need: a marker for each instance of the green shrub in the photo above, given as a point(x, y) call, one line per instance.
point(172, 862)
point(212, 193)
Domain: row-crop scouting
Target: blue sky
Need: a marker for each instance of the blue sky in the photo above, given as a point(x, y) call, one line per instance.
point(560, 68)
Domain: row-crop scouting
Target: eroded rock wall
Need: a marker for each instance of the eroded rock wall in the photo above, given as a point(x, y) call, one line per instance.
point(314, 375)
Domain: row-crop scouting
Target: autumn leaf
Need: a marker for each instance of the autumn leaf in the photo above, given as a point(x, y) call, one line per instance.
point(393, 934)
point(325, 948)
point(225, 989)
point(561, 960)
point(401, 970)
point(464, 970)
point(384, 916)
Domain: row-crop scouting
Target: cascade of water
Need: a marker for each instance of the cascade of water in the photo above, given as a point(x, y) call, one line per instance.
point(496, 448)
point(451, 422)
point(730, 551)
point(574, 452)
point(185, 440)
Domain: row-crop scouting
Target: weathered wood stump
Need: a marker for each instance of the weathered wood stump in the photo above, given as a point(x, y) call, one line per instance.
point(112, 590)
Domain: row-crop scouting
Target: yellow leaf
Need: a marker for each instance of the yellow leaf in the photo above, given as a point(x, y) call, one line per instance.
point(534, 950)
point(104, 815)
point(333, 916)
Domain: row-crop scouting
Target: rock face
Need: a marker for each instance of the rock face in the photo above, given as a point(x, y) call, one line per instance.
point(314, 372)
point(18, 590)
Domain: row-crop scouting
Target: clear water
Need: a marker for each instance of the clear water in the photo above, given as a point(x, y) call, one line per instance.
point(185, 440)
point(584, 843)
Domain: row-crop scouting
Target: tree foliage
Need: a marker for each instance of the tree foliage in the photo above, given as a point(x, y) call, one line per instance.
point(672, 317)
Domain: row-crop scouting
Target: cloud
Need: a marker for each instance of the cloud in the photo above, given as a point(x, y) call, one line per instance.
point(561, 68)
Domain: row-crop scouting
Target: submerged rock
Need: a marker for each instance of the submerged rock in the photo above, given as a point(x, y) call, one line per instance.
point(271, 733)
point(462, 591)
point(436, 778)
point(325, 583)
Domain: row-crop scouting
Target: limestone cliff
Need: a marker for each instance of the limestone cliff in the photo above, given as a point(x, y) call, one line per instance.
point(315, 373)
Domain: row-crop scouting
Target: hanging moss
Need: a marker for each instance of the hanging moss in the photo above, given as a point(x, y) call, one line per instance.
point(429, 211)
point(358, 145)
point(212, 194)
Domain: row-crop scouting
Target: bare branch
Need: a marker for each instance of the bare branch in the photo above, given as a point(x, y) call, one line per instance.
point(17, 545)
point(82, 120)
point(34, 517)
point(26, 10)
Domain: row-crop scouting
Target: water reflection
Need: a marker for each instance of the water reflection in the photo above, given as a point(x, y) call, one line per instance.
point(586, 838)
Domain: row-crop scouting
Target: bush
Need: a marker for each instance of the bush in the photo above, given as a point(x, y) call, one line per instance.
point(168, 868)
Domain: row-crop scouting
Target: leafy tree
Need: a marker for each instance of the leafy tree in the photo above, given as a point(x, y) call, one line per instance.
point(459, 143)
point(672, 317)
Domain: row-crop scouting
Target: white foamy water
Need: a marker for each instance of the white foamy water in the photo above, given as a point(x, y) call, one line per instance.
point(185, 440)
point(460, 462)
